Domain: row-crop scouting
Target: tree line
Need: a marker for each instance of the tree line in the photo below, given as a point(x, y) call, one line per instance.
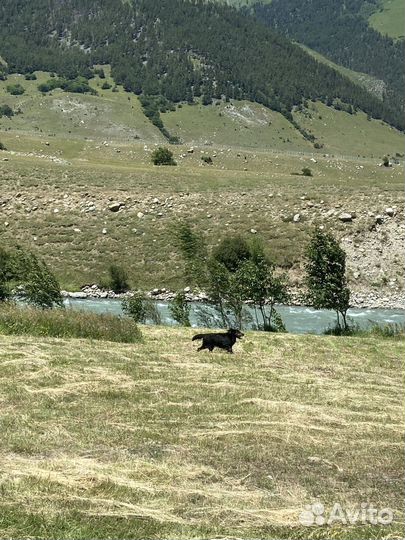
point(234, 274)
point(238, 272)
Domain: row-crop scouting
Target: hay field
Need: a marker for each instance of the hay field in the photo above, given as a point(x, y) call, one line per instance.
point(152, 440)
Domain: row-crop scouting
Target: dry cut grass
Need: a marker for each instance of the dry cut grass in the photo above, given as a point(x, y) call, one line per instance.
point(153, 440)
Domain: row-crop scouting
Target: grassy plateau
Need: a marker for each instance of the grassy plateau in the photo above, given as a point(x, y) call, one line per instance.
point(148, 440)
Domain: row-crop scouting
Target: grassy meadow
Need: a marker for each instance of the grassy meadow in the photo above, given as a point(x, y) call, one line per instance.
point(147, 440)
point(389, 18)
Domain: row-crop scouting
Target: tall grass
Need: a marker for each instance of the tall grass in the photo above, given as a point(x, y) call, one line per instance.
point(67, 324)
point(386, 330)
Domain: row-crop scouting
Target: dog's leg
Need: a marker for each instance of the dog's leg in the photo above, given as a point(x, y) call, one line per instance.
point(229, 349)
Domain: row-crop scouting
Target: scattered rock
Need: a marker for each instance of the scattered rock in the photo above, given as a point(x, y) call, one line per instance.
point(253, 231)
point(297, 218)
point(379, 219)
point(390, 212)
point(115, 206)
point(104, 231)
point(78, 294)
point(345, 217)
point(140, 215)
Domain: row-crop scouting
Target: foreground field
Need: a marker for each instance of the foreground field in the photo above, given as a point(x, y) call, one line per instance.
point(155, 441)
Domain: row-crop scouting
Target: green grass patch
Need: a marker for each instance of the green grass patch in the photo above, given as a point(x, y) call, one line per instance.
point(64, 323)
point(389, 19)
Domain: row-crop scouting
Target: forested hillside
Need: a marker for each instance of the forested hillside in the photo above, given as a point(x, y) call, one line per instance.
point(174, 50)
point(340, 30)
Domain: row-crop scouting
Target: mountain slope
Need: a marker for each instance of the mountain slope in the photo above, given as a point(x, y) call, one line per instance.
point(74, 123)
point(175, 49)
point(324, 25)
point(389, 18)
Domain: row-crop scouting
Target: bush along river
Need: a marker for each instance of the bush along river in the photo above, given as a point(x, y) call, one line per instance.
point(297, 319)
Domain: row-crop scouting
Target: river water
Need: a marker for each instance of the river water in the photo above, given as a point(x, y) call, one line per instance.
point(297, 319)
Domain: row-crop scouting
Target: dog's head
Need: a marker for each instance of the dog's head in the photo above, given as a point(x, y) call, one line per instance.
point(235, 332)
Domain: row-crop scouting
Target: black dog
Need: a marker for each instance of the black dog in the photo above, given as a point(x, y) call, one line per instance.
point(224, 340)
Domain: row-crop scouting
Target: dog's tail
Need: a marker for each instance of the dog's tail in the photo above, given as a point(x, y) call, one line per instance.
point(197, 336)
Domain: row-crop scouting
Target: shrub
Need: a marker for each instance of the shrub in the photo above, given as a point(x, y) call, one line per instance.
point(80, 85)
point(33, 281)
point(2, 147)
point(51, 84)
point(193, 250)
point(66, 323)
point(259, 283)
point(180, 309)
point(36, 283)
point(30, 77)
point(118, 279)
point(207, 160)
point(306, 171)
point(386, 161)
point(163, 156)
point(106, 86)
point(141, 309)
point(99, 72)
point(325, 279)
point(231, 252)
point(5, 274)
point(6, 110)
point(15, 89)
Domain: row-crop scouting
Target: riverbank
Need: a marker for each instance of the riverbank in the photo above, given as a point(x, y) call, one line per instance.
point(359, 299)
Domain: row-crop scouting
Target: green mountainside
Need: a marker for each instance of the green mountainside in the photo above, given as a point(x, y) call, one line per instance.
point(76, 123)
point(175, 51)
point(325, 25)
